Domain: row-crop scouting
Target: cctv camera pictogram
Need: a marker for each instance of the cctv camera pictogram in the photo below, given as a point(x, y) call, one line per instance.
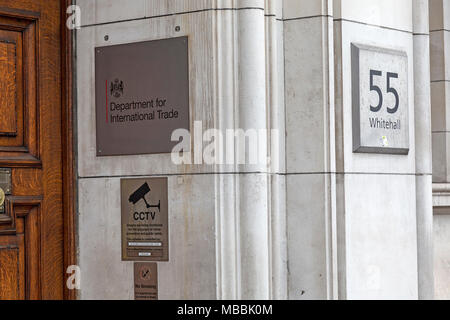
point(140, 193)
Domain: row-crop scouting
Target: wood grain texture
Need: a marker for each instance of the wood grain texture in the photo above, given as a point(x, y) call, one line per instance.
point(27, 182)
point(36, 153)
point(11, 120)
point(51, 151)
point(69, 180)
point(24, 233)
point(9, 275)
point(8, 88)
point(20, 148)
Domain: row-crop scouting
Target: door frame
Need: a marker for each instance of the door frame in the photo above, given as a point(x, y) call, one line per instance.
point(68, 156)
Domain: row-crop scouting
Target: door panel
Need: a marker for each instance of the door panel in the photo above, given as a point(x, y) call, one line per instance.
point(19, 121)
point(9, 60)
point(9, 273)
point(31, 224)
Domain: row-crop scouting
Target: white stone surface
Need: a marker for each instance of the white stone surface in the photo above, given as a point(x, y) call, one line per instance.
point(253, 245)
point(376, 207)
point(310, 153)
point(439, 13)
point(201, 82)
point(386, 13)
point(440, 100)
point(307, 103)
point(422, 108)
point(440, 87)
point(275, 8)
point(343, 224)
point(279, 243)
point(104, 11)
point(380, 228)
point(347, 161)
point(223, 65)
point(440, 55)
point(211, 109)
point(441, 196)
point(103, 275)
point(442, 256)
point(422, 100)
point(306, 8)
point(277, 196)
point(306, 235)
point(441, 159)
point(190, 272)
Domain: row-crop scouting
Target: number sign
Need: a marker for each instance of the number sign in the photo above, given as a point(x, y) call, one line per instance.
point(380, 100)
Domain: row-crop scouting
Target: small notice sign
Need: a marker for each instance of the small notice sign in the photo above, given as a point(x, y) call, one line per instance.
point(144, 205)
point(145, 281)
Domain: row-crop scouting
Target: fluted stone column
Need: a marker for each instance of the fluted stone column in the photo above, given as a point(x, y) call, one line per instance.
point(422, 113)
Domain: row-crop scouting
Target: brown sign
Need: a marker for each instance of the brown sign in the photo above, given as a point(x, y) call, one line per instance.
point(142, 96)
point(144, 205)
point(145, 281)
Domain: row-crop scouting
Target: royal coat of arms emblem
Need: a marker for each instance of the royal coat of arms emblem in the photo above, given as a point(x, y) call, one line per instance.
point(117, 88)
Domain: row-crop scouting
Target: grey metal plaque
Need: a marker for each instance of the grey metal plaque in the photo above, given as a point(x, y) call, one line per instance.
point(145, 281)
point(142, 96)
point(145, 231)
point(380, 100)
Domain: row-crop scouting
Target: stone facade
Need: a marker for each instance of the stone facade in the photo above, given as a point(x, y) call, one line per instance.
point(320, 222)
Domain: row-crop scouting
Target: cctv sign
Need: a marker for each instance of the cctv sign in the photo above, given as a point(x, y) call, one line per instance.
point(144, 205)
point(380, 100)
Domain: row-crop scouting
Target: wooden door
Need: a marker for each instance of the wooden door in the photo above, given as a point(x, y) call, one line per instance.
point(31, 100)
